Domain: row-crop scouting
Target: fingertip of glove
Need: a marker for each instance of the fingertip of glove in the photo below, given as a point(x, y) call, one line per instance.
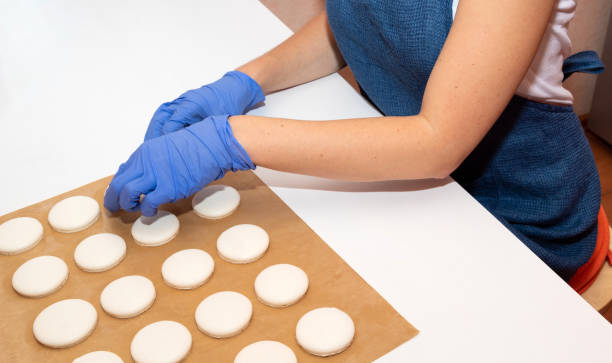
point(148, 207)
point(128, 205)
point(148, 211)
point(109, 204)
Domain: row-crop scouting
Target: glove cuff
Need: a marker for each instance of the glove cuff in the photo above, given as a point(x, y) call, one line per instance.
point(255, 93)
point(239, 156)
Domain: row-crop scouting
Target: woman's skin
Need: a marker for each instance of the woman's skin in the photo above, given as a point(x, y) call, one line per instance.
point(486, 55)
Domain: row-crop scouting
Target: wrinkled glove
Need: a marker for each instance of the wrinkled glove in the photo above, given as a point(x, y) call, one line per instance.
point(234, 94)
point(176, 165)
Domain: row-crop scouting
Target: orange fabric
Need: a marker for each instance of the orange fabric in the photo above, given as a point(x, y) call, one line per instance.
point(587, 273)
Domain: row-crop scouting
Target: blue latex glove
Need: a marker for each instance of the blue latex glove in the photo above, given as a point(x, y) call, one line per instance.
point(176, 165)
point(234, 94)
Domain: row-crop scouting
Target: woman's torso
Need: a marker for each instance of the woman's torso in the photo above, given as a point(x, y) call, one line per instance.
point(534, 169)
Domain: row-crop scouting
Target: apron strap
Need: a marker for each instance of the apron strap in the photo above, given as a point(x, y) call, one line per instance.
point(584, 62)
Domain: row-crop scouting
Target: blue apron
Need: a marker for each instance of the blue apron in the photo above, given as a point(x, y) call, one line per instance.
point(534, 170)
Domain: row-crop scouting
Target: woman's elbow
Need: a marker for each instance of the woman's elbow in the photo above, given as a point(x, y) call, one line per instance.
point(446, 161)
point(443, 170)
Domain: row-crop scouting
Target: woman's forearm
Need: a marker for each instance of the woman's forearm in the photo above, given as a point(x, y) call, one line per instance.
point(368, 149)
point(484, 58)
point(309, 54)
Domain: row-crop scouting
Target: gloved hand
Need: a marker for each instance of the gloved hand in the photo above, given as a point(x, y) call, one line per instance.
point(176, 165)
point(234, 94)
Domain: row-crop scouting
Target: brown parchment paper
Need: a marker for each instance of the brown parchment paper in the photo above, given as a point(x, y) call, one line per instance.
point(379, 328)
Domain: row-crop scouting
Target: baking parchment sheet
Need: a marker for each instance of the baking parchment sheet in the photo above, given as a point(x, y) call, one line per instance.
point(379, 328)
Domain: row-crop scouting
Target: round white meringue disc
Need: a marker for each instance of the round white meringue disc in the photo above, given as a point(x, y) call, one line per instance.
point(128, 296)
point(74, 214)
point(19, 234)
point(224, 314)
point(215, 201)
point(157, 230)
point(164, 341)
point(65, 323)
point(187, 269)
point(325, 331)
point(99, 252)
point(40, 276)
point(281, 285)
point(266, 351)
point(243, 243)
point(100, 356)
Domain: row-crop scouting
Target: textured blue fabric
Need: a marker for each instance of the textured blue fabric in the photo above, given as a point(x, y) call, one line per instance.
point(534, 170)
point(586, 61)
point(391, 47)
point(176, 165)
point(234, 94)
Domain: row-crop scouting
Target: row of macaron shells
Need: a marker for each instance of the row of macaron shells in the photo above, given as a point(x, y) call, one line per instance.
point(212, 202)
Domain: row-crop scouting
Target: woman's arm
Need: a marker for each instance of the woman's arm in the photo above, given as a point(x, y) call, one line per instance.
point(487, 53)
point(309, 54)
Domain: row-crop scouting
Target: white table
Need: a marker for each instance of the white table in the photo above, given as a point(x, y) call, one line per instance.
point(80, 80)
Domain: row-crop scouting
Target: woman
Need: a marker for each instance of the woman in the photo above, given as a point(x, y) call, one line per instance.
point(473, 91)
